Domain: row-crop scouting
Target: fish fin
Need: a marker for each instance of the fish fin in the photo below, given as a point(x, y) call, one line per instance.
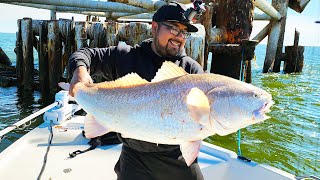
point(198, 105)
point(92, 128)
point(190, 151)
point(64, 86)
point(168, 70)
point(129, 80)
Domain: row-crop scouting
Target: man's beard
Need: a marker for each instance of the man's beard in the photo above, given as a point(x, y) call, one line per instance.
point(164, 51)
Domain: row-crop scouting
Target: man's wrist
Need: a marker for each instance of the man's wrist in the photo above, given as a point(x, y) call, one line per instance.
point(80, 69)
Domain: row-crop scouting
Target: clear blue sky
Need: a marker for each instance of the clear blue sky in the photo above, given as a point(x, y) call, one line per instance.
point(309, 31)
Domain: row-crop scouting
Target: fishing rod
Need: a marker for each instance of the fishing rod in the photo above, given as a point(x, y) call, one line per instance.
point(27, 119)
point(52, 113)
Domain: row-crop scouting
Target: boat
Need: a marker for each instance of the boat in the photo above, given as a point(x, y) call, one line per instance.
point(43, 153)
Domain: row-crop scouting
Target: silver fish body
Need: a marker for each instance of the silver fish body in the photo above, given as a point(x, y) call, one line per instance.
point(176, 108)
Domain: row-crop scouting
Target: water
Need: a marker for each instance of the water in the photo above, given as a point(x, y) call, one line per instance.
point(290, 140)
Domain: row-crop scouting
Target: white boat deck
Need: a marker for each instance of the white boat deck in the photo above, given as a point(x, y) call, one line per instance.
point(24, 158)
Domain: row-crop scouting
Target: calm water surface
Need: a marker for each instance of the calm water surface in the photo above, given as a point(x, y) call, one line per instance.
point(290, 140)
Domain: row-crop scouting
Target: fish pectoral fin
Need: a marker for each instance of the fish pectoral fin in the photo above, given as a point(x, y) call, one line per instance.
point(190, 151)
point(92, 128)
point(168, 70)
point(64, 86)
point(198, 105)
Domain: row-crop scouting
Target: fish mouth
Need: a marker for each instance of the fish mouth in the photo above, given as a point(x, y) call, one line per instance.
point(260, 114)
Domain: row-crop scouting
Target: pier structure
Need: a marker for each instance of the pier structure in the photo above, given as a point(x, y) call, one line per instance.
point(224, 31)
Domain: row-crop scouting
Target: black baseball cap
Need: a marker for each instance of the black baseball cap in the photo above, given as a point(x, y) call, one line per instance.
point(174, 12)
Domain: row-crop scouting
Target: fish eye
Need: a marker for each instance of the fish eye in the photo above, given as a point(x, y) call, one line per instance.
point(255, 94)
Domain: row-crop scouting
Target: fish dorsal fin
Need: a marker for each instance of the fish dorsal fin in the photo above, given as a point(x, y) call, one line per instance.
point(168, 70)
point(129, 80)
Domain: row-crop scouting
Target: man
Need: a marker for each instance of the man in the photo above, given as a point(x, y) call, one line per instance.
point(170, 28)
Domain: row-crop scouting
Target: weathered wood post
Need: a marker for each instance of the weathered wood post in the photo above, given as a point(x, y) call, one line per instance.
point(27, 50)
point(195, 45)
point(80, 37)
point(294, 56)
point(111, 30)
point(19, 56)
point(206, 21)
point(97, 35)
point(134, 32)
point(235, 17)
point(4, 59)
point(248, 47)
point(65, 32)
point(54, 55)
point(273, 38)
point(282, 7)
point(43, 57)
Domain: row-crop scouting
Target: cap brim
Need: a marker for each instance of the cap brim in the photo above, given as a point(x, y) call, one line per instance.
point(190, 27)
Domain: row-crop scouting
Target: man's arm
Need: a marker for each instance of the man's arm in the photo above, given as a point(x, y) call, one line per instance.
point(190, 66)
point(85, 59)
point(94, 59)
point(80, 74)
point(88, 61)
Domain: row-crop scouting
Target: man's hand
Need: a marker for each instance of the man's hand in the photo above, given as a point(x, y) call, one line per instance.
point(79, 75)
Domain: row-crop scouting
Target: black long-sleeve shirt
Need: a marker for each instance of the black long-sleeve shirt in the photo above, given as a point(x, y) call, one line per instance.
point(118, 61)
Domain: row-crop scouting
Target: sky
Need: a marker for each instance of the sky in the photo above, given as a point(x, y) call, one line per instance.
point(304, 22)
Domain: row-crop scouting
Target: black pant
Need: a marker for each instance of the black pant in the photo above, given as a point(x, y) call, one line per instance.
point(135, 165)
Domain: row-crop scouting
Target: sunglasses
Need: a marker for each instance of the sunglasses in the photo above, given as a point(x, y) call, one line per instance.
point(175, 31)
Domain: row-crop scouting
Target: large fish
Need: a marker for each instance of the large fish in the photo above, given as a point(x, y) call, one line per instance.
point(175, 108)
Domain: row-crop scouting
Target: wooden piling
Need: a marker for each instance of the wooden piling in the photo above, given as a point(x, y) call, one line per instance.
point(282, 7)
point(19, 55)
point(80, 37)
point(298, 5)
point(238, 22)
point(4, 59)
point(36, 26)
point(65, 33)
point(248, 47)
point(273, 39)
point(97, 35)
point(195, 45)
point(57, 37)
point(134, 32)
point(206, 21)
point(226, 58)
point(54, 55)
point(43, 57)
point(294, 56)
point(111, 33)
point(27, 50)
